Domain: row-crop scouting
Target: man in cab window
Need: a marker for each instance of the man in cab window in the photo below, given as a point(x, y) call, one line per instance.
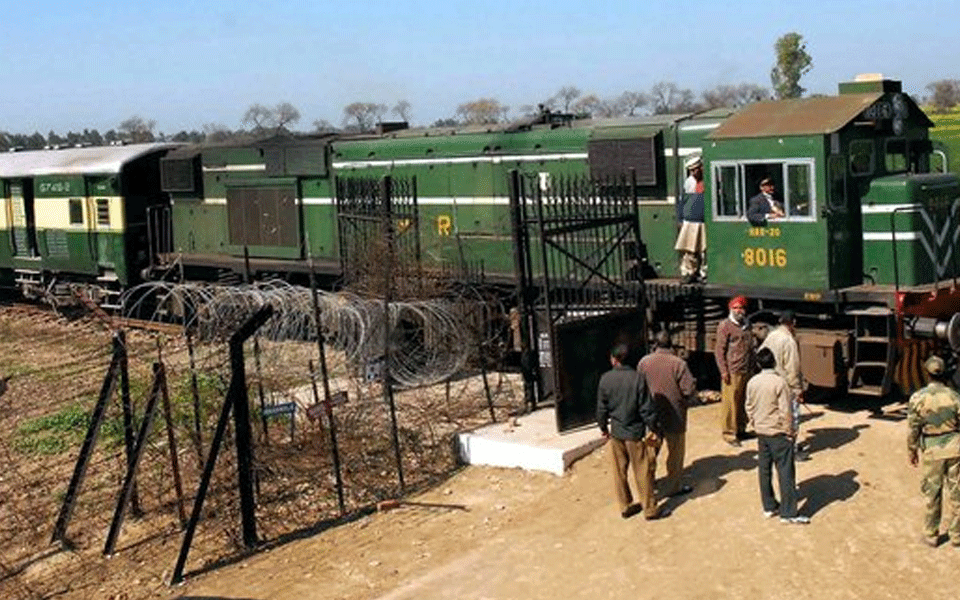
point(764, 206)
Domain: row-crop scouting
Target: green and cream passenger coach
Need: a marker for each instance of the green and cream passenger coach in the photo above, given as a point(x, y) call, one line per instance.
point(74, 220)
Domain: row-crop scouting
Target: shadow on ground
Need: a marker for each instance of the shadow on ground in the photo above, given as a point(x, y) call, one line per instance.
point(707, 475)
point(822, 490)
point(829, 438)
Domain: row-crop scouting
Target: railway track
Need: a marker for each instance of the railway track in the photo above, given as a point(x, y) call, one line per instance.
point(89, 314)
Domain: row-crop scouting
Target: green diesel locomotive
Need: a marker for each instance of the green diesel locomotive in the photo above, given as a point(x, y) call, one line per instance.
point(865, 253)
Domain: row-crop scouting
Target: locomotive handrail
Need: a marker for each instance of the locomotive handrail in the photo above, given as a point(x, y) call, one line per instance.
point(893, 240)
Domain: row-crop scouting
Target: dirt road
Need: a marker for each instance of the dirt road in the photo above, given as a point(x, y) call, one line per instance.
point(508, 534)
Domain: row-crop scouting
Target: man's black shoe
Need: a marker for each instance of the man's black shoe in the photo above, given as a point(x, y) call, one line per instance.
point(684, 489)
point(660, 514)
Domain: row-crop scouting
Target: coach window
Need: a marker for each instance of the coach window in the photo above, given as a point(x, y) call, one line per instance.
point(861, 157)
point(76, 211)
point(103, 212)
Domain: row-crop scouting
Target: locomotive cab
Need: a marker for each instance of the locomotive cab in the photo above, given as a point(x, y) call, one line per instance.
point(839, 165)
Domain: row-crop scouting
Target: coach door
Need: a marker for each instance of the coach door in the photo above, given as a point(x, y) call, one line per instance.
point(23, 228)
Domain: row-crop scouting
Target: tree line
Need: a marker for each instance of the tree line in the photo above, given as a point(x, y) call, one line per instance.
point(791, 63)
point(260, 120)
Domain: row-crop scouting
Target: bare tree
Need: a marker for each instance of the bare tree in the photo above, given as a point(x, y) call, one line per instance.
point(944, 94)
point(733, 96)
point(528, 111)
point(565, 97)
point(587, 105)
point(403, 110)
point(216, 132)
point(285, 114)
point(323, 126)
point(137, 130)
point(631, 102)
point(483, 110)
point(609, 108)
point(362, 116)
point(666, 97)
point(260, 117)
point(257, 116)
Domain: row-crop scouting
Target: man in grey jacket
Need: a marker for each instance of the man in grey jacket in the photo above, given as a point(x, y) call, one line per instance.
point(627, 417)
point(770, 409)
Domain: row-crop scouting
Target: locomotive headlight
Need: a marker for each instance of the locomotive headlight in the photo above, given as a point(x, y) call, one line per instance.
point(934, 328)
point(900, 107)
point(898, 125)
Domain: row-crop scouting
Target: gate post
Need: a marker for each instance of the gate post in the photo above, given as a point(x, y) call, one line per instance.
point(525, 291)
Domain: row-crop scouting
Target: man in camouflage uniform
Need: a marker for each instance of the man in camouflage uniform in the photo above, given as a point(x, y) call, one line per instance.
point(933, 415)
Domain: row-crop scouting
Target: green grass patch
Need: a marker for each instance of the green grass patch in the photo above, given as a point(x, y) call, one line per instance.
point(63, 431)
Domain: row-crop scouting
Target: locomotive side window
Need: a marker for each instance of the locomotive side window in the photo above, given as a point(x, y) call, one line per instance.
point(861, 157)
point(725, 183)
point(895, 156)
point(798, 196)
point(838, 182)
point(76, 211)
point(735, 182)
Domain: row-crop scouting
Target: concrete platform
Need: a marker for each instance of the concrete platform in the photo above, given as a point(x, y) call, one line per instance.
point(529, 442)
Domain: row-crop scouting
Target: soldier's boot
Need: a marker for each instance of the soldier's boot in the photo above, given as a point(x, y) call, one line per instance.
point(931, 540)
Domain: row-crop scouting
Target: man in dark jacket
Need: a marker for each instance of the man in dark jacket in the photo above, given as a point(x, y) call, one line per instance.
point(627, 417)
point(673, 389)
point(764, 206)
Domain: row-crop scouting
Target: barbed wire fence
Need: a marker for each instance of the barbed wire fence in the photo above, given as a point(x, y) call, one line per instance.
point(437, 347)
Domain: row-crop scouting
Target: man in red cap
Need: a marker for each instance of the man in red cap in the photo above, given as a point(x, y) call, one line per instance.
point(733, 352)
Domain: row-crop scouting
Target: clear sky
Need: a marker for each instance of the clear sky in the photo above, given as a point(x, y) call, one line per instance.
point(70, 65)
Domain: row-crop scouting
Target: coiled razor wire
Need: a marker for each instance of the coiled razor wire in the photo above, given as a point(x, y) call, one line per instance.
point(430, 340)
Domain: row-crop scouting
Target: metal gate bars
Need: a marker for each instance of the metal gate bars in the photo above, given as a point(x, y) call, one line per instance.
point(578, 255)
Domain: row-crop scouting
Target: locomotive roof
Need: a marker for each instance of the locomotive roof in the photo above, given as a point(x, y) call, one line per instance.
point(518, 126)
point(77, 161)
point(805, 116)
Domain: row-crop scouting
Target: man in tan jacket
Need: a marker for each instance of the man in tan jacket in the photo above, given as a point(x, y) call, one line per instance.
point(782, 341)
point(770, 410)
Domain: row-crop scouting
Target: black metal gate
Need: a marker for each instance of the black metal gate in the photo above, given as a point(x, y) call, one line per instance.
point(578, 258)
point(379, 231)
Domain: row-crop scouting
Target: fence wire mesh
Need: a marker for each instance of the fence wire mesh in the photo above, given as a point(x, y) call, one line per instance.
point(58, 367)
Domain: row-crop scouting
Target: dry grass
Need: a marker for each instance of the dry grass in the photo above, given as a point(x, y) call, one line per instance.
point(58, 367)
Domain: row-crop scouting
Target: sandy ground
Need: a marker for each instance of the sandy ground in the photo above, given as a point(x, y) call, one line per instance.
point(492, 533)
